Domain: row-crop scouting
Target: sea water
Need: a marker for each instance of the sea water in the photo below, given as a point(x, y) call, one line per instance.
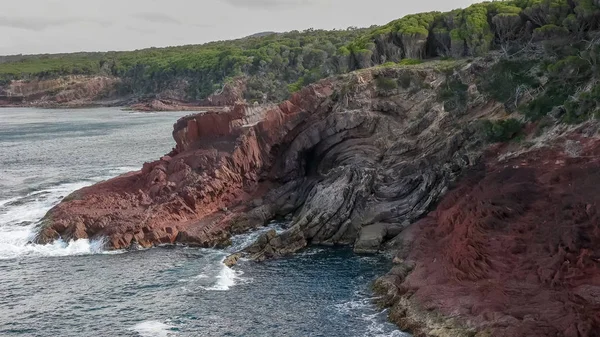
point(79, 289)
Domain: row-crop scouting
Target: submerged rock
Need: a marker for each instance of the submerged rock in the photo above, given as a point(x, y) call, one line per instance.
point(232, 260)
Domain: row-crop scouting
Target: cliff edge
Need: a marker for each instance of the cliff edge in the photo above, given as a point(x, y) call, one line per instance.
point(488, 240)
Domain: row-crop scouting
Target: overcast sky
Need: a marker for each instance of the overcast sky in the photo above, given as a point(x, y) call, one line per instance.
point(51, 26)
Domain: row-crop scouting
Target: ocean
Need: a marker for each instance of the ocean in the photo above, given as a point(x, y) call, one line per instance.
point(80, 289)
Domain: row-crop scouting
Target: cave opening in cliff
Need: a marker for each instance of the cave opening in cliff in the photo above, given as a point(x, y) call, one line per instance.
point(309, 162)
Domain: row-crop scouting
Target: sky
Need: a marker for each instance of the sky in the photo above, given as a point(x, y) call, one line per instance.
point(55, 26)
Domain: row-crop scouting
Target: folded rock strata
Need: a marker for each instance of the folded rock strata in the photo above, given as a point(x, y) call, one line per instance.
point(513, 250)
point(339, 155)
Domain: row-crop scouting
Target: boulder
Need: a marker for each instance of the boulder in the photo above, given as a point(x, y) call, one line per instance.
point(370, 239)
point(232, 260)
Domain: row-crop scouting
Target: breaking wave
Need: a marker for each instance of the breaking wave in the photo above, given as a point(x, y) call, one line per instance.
point(19, 217)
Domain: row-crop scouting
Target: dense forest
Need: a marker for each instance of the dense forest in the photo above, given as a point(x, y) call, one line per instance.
point(554, 38)
point(274, 64)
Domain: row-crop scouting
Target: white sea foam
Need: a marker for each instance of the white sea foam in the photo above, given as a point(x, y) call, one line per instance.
point(359, 304)
point(4, 202)
point(244, 240)
point(123, 169)
point(58, 248)
point(19, 216)
point(225, 279)
point(376, 320)
point(311, 251)
point(219, 276)
point(378, 329)
point(153, 329)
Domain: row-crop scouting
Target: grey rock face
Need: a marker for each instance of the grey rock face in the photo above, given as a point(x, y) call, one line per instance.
point(367, 165)
point(364, 159)
point(370, 239)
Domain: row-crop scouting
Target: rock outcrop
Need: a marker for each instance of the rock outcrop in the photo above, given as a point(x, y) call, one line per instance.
point(189, 195)
point(342, 154)
point(371, 238)
point(513, 250)
point(69, 91)
point(157, 105)
point(231, 94)
point(379, 156)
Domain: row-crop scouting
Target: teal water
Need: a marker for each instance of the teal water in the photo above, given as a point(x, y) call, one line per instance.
point(78, 289)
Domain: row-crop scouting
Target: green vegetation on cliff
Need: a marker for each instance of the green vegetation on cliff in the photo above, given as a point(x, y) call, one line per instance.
point(502, 130)
point(270, 62)
point(276, 65)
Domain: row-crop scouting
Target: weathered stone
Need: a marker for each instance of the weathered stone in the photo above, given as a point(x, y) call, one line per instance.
point(67, 92)
point(511, 251)
point(335, 165)
point(370, 239)
point(232, 260)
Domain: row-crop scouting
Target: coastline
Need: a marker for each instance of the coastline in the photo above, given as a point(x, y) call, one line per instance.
point(125, 104)
point(381, 168)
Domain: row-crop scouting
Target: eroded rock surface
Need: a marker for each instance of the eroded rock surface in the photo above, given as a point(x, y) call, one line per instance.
point(513, 250)
point(68, 92)
point(340, 155)
point(377, 156)
point(371, 237)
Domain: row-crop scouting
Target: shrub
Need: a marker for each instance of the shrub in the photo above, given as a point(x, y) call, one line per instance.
point(388, 64)
point(405, 80)
point(384, 83)
point(501, 131)
point(564, 78)
point(549, 31)
point(409, 62)
point(296, 86)
point(503, 79)
point(454, 94)
point(583, 106)
point(415, 24)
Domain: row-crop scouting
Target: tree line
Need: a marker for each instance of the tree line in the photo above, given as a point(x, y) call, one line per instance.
point(276, 65)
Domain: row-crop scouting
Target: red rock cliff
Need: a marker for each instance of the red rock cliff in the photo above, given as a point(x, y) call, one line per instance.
point(511, 250)
point(186, 195)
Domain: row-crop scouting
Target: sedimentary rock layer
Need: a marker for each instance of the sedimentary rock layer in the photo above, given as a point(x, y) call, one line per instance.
point(66, 92)
point(513, 250)
point(341, 155)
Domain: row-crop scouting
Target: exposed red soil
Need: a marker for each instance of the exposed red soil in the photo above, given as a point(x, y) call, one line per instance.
point(515, 248)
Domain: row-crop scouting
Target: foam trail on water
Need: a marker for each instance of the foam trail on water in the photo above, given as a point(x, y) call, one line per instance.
point(225, 279)
point(19, 216)
point(378, 326)
point(123, 169)
point(153, 329)
point(4, 202)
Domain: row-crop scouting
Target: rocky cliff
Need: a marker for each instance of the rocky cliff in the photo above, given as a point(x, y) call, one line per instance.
point(513, 250)
point(362, 159)
point(67, 91)
point(77, 91)
point(340, 155)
